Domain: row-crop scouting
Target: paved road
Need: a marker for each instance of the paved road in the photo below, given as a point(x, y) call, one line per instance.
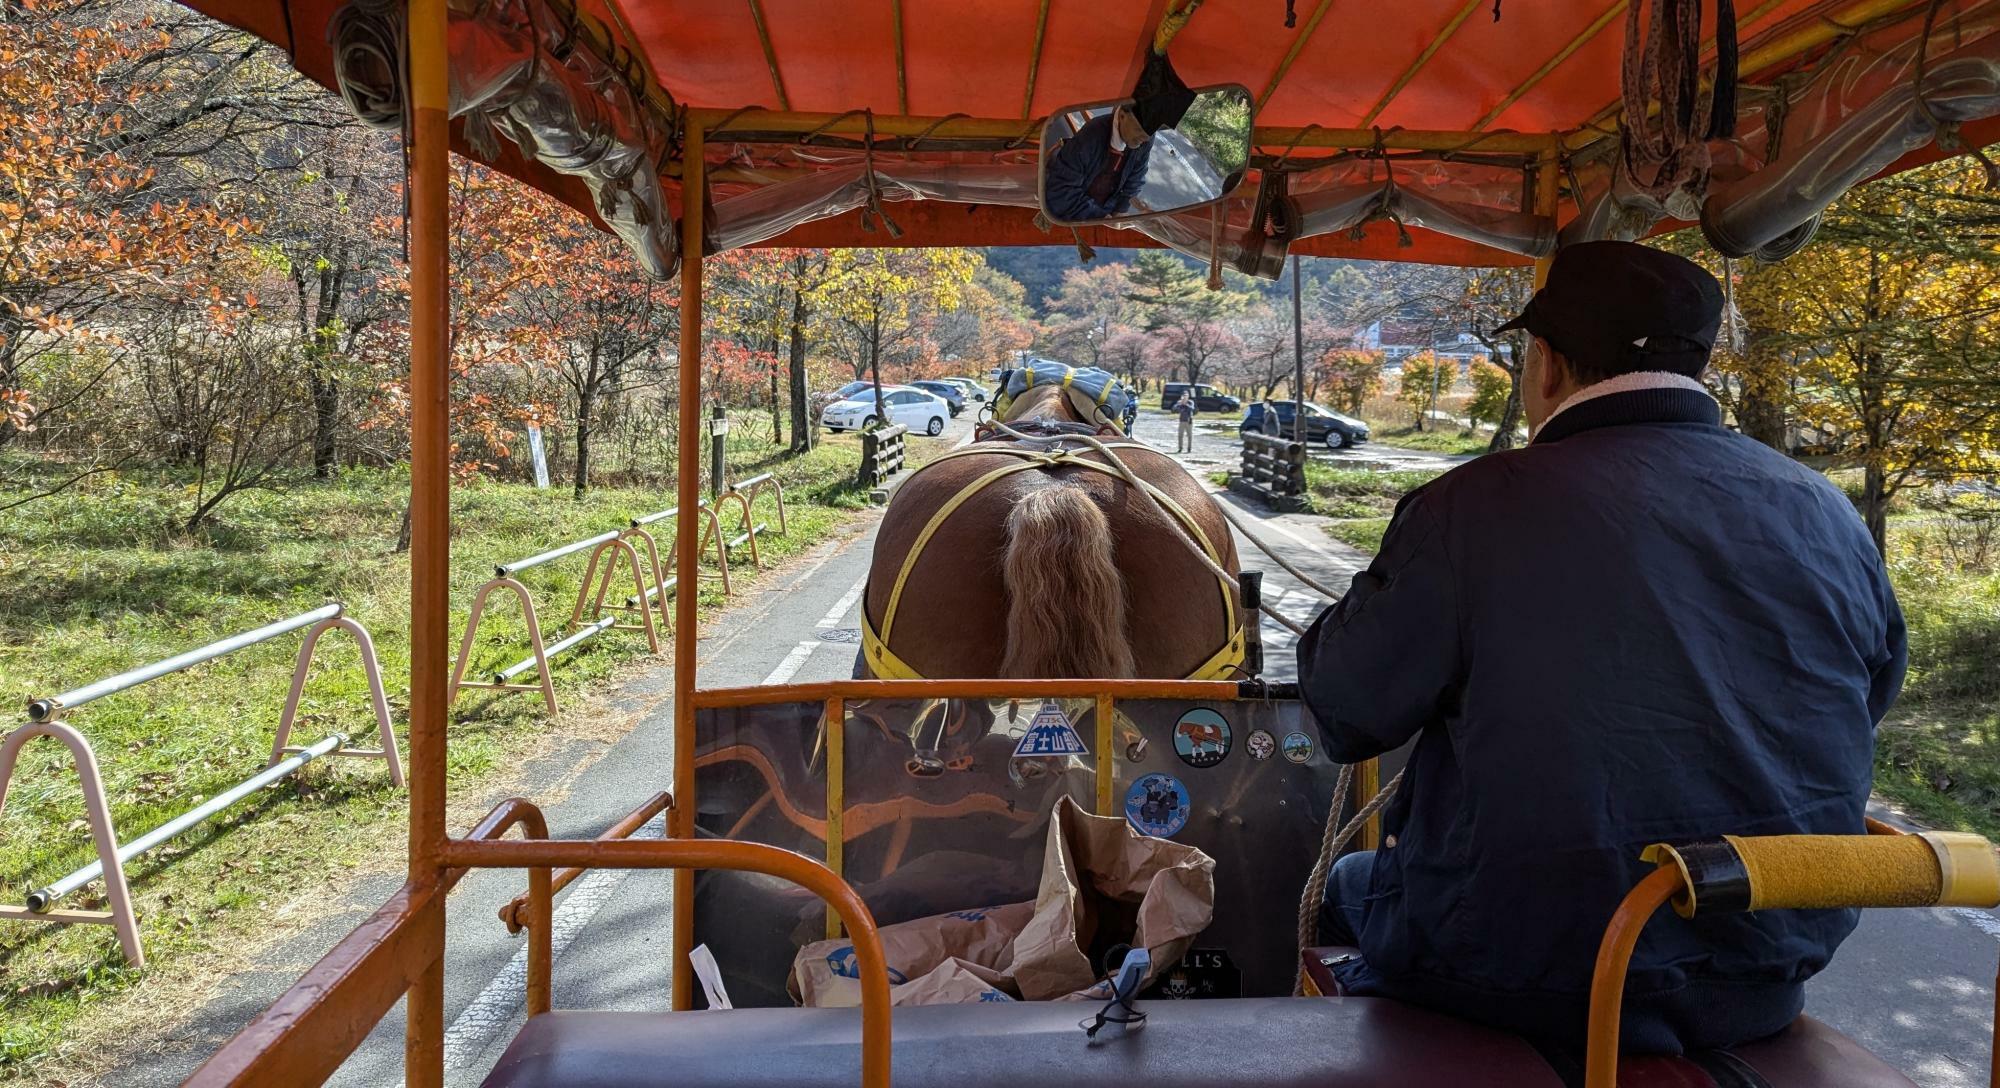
point(1915, 986)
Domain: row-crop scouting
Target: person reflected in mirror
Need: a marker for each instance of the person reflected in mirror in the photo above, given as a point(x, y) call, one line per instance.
point(1096, 172)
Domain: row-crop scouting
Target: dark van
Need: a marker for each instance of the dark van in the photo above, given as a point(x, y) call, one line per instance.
point(1206, 399)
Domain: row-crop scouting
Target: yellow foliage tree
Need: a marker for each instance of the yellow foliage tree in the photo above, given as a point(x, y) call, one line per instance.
point(1424, 378)
point(1881, 334)
point(886, 299)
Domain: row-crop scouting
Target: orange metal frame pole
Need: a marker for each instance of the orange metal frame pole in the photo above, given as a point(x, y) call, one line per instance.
point(687, 482)
point(722, 854)
point(430, 520)
point(1607, 982)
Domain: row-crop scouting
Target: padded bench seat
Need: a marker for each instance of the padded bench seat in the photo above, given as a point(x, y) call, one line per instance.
point(1334, 1042)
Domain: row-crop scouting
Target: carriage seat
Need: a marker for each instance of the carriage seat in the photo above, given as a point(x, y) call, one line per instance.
point(1331, 1042)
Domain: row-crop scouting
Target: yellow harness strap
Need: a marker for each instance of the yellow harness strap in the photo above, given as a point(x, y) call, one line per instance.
point(875, 645)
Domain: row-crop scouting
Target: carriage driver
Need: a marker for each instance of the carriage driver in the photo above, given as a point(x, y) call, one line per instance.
point(1642, 627)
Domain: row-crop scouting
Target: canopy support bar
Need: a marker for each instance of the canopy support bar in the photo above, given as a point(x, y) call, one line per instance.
point(756, 126)
point(902, 71)
point(1298, 45)
point(687, 547)
point(1590, 32)
point(430, 519)
point(1423, 58)
point(770, 55)
point(1034, 61)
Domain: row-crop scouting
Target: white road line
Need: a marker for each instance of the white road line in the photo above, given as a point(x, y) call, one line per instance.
point(494, 1007)
point(839, 610)
point(792, 663)
point(1981, 920)
point(747, 622)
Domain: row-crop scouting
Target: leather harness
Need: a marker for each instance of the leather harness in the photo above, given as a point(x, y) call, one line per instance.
point(1221, 665)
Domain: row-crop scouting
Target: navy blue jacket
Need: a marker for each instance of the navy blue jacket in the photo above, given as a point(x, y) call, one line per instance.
point(1640, 628)
point(1078, 160)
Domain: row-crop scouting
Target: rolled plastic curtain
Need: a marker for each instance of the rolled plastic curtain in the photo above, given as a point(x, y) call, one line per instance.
point(574, 115)
point(769, 211)
point(1744, 216)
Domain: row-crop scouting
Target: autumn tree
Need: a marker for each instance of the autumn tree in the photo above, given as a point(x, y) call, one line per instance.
point(1350, 375)
point(1126, 353)
point(1882, 333)
point(1172, 301)
point(884, 301)
point(84, 221)
point(1424, 378)
point(990, 324)
point(602, 321)
point(1088, 311)
point(1491, 389)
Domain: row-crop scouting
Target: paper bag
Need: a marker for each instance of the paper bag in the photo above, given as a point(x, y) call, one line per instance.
point(1103, 885)
point(966, 950)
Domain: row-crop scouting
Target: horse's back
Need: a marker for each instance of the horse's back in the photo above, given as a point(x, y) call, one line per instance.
point(950, 619)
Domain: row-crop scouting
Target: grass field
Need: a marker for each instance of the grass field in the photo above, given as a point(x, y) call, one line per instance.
point(97, 581)
point(1445, 438)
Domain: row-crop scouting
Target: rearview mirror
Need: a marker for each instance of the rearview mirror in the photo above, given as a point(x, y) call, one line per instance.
point(1105, 162)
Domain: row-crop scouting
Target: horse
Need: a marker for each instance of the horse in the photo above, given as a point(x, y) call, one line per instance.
point(1037, 559)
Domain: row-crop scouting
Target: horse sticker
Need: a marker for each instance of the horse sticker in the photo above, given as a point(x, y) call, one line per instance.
point(1201, 737)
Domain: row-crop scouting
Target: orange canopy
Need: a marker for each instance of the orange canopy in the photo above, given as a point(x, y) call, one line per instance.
point(1467, 67)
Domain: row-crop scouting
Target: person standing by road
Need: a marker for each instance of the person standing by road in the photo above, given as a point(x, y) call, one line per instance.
point(1184, 443)
point(1270, 419)
point(1642, 627)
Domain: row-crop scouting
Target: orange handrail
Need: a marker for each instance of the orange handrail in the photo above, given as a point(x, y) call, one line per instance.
point(1220, 690)
point(721, 854)
point(1607, 980)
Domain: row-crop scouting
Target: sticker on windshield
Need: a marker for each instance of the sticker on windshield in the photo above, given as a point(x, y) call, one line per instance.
point(1201, 737)
point(1298, 747)
point(1157, 805)
point(1050, 734)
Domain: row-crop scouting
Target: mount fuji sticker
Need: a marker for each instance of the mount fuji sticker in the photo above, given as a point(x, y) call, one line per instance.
point(1050, 734)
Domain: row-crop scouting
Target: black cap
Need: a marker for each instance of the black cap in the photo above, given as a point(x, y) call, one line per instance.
point(1615, 307)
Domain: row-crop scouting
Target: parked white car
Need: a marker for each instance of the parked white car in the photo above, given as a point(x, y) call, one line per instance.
point(913, 408)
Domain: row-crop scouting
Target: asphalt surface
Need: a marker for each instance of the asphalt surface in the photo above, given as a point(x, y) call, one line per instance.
point(1915, 986)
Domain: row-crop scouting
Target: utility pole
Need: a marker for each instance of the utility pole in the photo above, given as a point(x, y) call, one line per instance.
point(1298, 359)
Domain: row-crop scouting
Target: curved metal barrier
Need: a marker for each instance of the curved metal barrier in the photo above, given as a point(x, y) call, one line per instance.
point(539, 652)
point(44, 721)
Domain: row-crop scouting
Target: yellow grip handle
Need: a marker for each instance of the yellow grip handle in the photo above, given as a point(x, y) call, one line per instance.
point(1810, 872)
point(1818, 871)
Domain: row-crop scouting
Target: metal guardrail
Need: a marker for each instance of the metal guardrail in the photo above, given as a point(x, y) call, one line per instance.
point(619, 544)
point(746, 493)
point(881, 454)
point(1274, 466)
point(45, 714)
